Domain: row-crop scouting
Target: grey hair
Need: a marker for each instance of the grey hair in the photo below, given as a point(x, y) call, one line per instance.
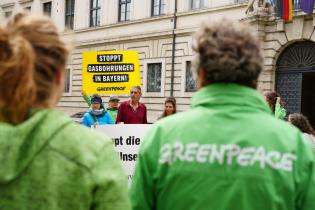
point(228, 52)
point(136, 87)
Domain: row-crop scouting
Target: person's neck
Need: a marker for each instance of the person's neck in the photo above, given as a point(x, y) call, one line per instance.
point(134, 103)
point(49, 104)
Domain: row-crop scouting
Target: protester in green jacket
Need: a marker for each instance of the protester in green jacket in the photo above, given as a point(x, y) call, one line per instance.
point(48, 162)
point(276, 104)
point(228, 151)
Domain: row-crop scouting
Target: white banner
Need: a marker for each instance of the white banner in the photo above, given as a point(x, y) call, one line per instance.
point(127, 139)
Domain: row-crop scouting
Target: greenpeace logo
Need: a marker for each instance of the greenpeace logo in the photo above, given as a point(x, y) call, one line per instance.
point(226, 154)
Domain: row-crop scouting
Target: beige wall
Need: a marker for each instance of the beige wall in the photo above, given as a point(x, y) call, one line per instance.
point(152, 37)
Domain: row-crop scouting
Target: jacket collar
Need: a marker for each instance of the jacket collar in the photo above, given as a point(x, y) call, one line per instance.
point(222, 94)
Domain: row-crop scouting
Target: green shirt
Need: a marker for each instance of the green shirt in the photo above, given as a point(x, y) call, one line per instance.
point(113, 113)
point(227, 152)
point(280, 112)
point(50, 162)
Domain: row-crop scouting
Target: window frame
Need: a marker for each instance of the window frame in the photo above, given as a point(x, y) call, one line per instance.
point(97, 10)
point(160, 12)
point(120, 3)
point(144, 71)
point(183, 92)
point(186, 71)
point(200, 7)
point(69, 82)
point(69, 15)
point(43, 8)
point(154, 66)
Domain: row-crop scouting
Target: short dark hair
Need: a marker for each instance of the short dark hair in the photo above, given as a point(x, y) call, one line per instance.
point(228, 52)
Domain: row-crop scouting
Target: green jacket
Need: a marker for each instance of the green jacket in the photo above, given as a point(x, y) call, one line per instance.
point(51, 163)
point(113, 113)
point(227, 152)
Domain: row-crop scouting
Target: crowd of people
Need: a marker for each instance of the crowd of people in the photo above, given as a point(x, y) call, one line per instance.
point(228, 151)
point(135, 112)
point(129, 112)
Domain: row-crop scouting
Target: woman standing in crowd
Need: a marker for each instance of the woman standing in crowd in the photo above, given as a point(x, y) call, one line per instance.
point(169, 107)
point(301, 122)
point(276, 104)
point(47, 160)
point(97, 115)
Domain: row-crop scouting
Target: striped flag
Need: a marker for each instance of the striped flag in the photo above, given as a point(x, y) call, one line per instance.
point(287, 10)
point(290, 10)
point(279, 8)
point(307, 6)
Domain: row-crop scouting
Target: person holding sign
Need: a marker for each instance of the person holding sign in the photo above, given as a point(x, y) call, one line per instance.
point(47, 160)
point(132, 111)
point(97, 115)
point(228, 151)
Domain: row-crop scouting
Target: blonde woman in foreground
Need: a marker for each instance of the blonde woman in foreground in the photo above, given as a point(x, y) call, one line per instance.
point(48, 161)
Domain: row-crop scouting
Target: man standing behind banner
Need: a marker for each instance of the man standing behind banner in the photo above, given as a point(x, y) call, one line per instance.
point(132, 111)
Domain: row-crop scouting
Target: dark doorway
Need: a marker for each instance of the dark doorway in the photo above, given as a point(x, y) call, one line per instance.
point(308, 96)
point(295, 78)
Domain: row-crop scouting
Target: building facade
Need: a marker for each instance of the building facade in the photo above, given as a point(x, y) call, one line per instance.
point(162, 32)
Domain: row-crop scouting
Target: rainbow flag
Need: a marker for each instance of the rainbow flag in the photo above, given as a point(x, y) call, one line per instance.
point(287, 10)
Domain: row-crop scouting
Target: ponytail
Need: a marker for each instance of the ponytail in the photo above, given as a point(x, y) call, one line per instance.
point(31, 55)
point(18, 88)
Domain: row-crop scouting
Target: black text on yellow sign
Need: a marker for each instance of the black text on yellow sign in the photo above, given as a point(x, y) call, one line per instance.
point(110, 72)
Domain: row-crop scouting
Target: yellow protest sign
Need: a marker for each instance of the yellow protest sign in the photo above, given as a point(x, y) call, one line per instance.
point(110, 72)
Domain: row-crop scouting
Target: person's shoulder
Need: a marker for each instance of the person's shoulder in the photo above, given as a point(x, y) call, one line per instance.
point(142, 104)
point(86, 114)
point(124, 103)
point(80, 144)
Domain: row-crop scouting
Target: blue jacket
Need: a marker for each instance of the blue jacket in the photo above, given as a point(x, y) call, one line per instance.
point(102, 120)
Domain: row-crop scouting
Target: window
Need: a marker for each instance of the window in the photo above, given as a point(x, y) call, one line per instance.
point(154, 77)
point(8, 14)
point(124, 10)
point(240, 1)
point(158, 7)
point(190, 84)
point(67, 81)
point(69, 15)
point(197, 4)
point(95, 12)
point(47, 8)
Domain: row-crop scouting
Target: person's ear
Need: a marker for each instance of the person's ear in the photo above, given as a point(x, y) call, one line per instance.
point(60, 77)
point(201, 75)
